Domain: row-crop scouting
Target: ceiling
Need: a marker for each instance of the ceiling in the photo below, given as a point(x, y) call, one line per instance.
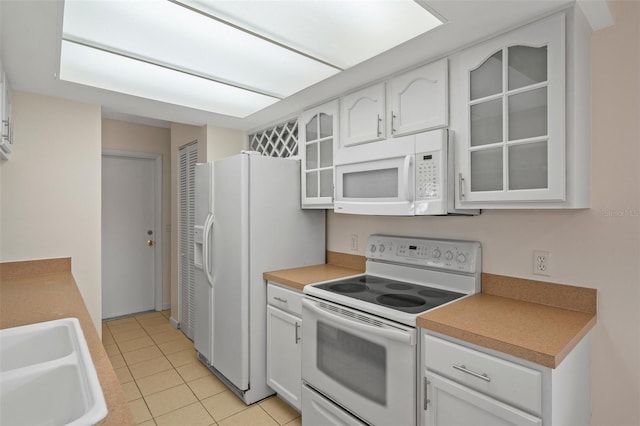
point(30, 48)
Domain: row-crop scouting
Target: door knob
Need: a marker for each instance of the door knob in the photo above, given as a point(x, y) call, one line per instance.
point(149, 243)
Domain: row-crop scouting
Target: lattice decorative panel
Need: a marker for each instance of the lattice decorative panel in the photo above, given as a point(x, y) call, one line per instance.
point(278, 141)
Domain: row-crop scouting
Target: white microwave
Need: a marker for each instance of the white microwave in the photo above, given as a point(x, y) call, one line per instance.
point(407, 176)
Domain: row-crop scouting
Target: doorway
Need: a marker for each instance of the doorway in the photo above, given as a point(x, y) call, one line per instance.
point(131, 224)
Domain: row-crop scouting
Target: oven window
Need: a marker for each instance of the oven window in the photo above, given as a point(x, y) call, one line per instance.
point(352, 361)
point(380, 183)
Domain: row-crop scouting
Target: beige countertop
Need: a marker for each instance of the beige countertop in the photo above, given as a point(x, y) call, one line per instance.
point(339, 265)
point(299, 277)
point(532, 320)
point(37, 291)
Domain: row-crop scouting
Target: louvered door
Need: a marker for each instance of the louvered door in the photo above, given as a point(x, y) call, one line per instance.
point(188, 155)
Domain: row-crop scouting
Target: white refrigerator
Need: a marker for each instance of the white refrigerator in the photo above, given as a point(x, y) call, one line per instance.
point(249, 222)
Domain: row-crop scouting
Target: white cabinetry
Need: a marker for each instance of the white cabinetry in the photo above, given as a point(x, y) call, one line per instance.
point(362, 116)
point(418, 99)
point(284, 348)
point(412, 102)
point(467, 385)
point(6, 125)
point(515, 105)
point(318, 129)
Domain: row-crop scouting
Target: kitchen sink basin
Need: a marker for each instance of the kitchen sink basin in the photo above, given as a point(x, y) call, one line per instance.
point(47, 376)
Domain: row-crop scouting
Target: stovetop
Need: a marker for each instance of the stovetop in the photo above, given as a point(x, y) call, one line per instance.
point(399, 295)
point(407, 276)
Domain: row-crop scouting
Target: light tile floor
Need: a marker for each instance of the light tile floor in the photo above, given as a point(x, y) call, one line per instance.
point(165, 383)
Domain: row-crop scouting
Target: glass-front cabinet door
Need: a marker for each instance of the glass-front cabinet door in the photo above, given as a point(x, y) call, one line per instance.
point(512, 117)
point(317, 129)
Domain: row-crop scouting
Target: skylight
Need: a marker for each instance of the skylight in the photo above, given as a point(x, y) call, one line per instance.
point(227, 57)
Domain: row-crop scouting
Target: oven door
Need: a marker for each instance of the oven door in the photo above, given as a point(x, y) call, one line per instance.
point(364, 363)
point(376, 187)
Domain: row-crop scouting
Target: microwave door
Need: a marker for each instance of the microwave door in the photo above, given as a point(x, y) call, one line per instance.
point(377, 187)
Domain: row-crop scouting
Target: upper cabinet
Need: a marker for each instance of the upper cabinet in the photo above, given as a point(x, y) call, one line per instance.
point(362, 116)
point(418, 100)
point(411, 102)
point(6, 129)
point(317, 138)
point(511, 117)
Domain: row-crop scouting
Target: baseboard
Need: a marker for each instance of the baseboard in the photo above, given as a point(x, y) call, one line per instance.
point(175, 324)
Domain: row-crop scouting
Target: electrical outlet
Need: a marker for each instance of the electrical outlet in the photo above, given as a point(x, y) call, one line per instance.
point(542, 262)
point(354, 242)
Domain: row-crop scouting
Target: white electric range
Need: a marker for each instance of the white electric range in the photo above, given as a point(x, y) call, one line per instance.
point(359, 352)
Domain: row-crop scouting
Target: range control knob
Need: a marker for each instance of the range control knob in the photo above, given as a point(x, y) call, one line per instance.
point(461, 258)
point(448, 255)
point(373, 248)
point(437, 253)
point(381, 248)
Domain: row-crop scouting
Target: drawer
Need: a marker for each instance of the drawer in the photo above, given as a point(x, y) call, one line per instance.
point(504, 380)
point(285, 299)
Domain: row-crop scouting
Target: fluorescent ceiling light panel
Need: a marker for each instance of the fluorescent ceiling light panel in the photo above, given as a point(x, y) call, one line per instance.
point(341, 32)
point(104, 70)
point(240, 55)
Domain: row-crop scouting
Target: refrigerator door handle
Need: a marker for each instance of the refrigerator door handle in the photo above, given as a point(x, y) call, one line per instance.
point(207, 266)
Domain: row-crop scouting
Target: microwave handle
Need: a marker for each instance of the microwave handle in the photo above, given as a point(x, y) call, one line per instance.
point(407, 165)
point(397, 335)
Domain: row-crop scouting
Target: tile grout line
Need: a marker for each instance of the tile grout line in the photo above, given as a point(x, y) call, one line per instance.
point(199, 401)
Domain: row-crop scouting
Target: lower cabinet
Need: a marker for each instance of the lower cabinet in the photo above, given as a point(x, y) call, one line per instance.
point(450, 403)
point(464, 384)
point(284, 345)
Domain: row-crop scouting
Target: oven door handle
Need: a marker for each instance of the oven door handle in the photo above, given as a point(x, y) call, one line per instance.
point(407, 337)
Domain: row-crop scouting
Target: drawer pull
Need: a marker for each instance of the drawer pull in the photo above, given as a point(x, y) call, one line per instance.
point(280, 299)
point(464, 369)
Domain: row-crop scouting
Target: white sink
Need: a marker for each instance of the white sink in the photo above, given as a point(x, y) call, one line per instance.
point(47, 376)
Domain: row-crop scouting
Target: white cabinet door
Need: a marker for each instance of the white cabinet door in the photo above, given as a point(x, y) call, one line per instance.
point(6, 126)
point(317, 136)
point(449, 403)
point(418, 99)
point(284, 355)
point(362, 116)
point(510, 117)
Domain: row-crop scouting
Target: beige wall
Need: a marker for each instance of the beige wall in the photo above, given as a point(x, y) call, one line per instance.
point(597, 248)
point(123, 136)
point(181, 134)
point(51, 198)
point(222, 142)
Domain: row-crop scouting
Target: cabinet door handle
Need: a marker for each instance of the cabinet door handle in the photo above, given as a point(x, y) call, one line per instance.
point(461, 185)
point(280, 299)
point(464, 369)
point(426, 394)
point(393, 119)
point(297, 333)
point(378, 126)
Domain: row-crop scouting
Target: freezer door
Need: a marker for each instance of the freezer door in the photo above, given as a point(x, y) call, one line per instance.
point(204, 192)
point(203, 292)
point(230, 271)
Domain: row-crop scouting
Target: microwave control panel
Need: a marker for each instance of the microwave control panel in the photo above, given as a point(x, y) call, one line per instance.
point(429, 179)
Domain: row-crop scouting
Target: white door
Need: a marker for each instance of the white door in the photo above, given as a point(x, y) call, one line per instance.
point(284, 355)
point(188, 157)
point(128, 235)
point(418, 99)
point(450, 403)
point(362, 116)
point(317, 141)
